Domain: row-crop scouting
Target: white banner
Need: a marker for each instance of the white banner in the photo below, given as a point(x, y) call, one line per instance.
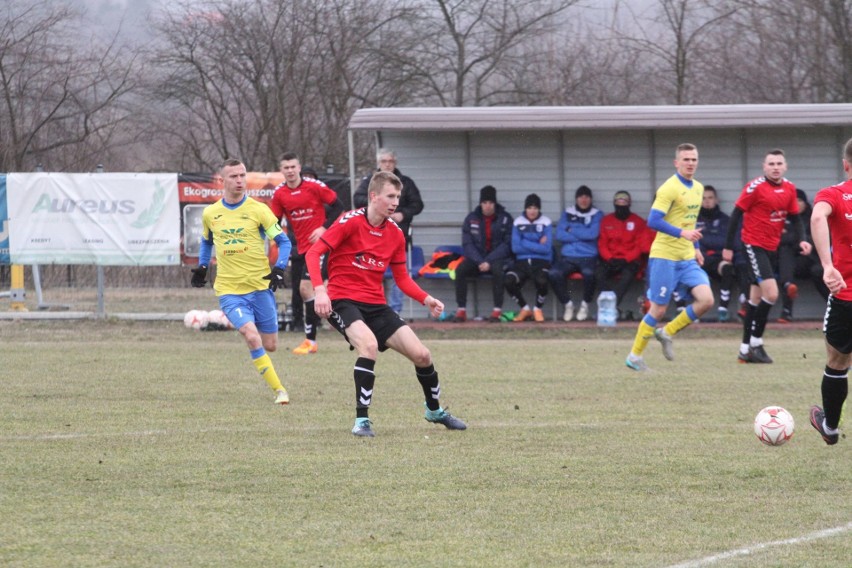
point(111, 219)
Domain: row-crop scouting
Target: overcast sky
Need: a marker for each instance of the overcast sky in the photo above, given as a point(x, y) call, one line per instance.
point(132, 16)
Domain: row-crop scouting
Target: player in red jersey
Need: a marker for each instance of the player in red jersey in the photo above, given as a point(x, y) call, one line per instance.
point(763, 205)
point(302, 202)
point(361, 245)
point(831, 229)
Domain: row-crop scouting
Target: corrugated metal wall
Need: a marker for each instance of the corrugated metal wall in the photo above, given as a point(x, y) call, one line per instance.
point(451, 167)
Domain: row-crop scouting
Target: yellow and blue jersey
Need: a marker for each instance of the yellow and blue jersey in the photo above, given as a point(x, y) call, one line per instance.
point(681, 205)
point(237, 232)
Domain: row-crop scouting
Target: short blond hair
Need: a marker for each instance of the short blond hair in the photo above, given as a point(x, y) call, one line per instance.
point(379, 179)
point(684, 147)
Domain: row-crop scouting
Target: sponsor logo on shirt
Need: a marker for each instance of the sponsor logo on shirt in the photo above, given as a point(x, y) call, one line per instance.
point(777, 216)
point(302, 214)
point(365, 261)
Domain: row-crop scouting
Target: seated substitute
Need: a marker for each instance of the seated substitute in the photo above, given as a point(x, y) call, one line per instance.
point(577, 230)
point(624, 239)
point(487, 244)
point(532, 245)
point(713, 223)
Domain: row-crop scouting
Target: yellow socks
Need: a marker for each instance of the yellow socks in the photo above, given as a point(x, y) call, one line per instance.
point(643, 335)
point(263, 364)
point(683, 319)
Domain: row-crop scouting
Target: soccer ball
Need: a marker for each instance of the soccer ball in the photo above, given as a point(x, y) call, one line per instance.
point(196, 319)
point(774, 426)
point(218, 320)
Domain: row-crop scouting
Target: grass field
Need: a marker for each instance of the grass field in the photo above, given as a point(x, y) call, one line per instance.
point(145, 444)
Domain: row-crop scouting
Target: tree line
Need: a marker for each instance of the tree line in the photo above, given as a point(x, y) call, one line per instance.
point(253, 78)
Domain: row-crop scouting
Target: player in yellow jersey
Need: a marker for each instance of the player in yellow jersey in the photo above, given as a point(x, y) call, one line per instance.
point(675, 260)
point(237, 226)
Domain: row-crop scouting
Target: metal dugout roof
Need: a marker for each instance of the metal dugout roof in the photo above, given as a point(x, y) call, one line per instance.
point(599, 117)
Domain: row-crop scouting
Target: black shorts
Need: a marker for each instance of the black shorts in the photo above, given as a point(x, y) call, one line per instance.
point(380, 318)
point(323, 267)
point(837, 325)
point(762, 263)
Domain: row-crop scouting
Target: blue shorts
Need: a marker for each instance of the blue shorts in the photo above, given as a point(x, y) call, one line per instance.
point(258, 307)
point(665, 276)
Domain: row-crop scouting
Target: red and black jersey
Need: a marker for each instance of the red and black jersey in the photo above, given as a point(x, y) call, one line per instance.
point(358, 256)
point(840, 227)
point(765, 206)
point(303, 207)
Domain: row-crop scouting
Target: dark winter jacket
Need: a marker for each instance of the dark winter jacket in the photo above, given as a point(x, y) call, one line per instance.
point(473, 236)
point(410, 202)
point(714, 230)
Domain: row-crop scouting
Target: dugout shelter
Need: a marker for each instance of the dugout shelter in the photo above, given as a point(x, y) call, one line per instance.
point(452, 152)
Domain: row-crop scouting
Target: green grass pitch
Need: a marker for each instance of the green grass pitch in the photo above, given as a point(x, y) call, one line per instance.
point(146, 444)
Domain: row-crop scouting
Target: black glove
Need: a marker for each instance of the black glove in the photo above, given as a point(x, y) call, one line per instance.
point(199, 277)
point(276, 278)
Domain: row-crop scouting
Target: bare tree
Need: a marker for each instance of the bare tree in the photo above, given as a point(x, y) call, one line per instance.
point(61, 102)
point(470, 52)
point(253, 79)
point(791, 51)
point(673, 37)
point(581, 64)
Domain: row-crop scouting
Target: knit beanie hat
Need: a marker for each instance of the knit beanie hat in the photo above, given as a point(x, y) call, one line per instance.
point(622, 195)
point(582, 190)
point(488, 193)
point(800, 194)
point(532, 200)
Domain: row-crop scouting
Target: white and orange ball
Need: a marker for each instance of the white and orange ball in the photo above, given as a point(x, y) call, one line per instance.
point(196, 319)
point(773, 426)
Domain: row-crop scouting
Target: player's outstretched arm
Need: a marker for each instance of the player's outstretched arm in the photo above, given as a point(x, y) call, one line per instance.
point(822, 243)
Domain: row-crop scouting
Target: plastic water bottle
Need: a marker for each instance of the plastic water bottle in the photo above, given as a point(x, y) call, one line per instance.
point(607, 310)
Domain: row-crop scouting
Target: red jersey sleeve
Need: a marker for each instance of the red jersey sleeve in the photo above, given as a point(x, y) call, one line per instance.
point(312, 259)
point(408, 286)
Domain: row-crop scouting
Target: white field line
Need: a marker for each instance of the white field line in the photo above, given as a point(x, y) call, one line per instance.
point(138, 434)
point(78, 435)
point(747, 551)
point(386, 427)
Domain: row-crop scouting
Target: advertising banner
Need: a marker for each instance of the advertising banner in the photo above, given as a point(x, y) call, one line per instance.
point(109, 219)
point(4, 223)
point(197, 191)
